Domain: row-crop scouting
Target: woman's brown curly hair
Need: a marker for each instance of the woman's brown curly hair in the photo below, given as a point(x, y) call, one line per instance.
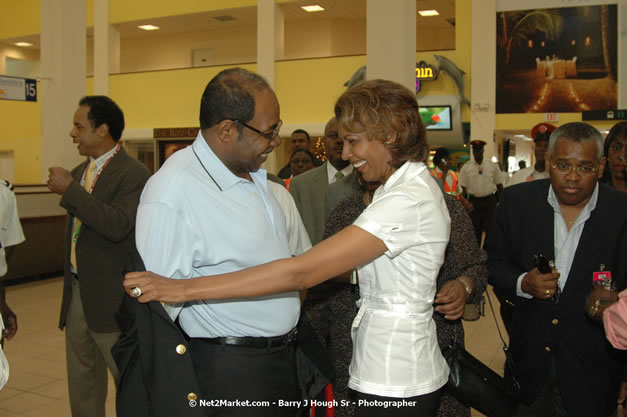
point(382, 108)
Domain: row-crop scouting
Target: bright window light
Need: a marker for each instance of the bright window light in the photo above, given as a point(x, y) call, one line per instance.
point(23, 44)
point(425, 13)
point(148, 27)
point(312, 8)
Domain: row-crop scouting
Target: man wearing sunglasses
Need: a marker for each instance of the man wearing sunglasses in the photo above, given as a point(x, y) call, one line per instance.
point(563, 362)
point(209, 210)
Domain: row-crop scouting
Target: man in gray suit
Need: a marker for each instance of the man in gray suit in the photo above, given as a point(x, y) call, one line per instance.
point(101, 197)
point(309, 189)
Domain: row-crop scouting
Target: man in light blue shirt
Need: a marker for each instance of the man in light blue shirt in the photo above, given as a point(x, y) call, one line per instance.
point(563, 362)
point(209, 210)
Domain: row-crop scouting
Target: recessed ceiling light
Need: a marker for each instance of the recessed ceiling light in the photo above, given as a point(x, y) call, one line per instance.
point(23, 44)
point(313, 8)
point(425, 13)
point(148, 27)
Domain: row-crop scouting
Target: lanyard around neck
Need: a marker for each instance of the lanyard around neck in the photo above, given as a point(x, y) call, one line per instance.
point(93, 183)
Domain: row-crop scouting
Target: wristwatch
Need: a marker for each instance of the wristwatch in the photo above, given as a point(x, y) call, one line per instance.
point(466, 286)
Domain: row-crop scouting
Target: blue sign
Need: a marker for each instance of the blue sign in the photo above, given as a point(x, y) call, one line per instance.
point(15, 88)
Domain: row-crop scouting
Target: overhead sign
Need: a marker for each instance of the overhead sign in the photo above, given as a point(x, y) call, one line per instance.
point(15, 88)
point(612, 114)
point(425, 71)
point(175, 132)
point(551, 117)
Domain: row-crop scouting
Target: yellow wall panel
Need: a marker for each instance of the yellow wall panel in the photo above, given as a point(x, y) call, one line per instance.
point(307, 89)
point(19, 18)
point(521, 121)
point(20, 132)
point(162, 98)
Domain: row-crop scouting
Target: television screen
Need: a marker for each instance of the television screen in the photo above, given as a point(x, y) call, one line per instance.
point(436, 117)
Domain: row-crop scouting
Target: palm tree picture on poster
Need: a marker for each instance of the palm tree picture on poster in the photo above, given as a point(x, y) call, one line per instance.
point(557, 60)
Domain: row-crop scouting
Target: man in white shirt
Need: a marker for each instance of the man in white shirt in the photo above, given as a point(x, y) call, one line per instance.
point(216, 213)
point(482, 182)
point(540, 133)
point(309, 189)
point(10, 234)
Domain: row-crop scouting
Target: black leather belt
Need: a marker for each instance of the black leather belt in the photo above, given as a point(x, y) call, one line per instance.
point(260, 342)
point(481, 198)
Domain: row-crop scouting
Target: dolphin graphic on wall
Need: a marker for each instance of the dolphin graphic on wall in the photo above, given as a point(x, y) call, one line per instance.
point(449, 67)
point(443, 64)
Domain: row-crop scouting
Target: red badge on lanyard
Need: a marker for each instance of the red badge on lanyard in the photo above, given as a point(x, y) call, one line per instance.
point(602, 277)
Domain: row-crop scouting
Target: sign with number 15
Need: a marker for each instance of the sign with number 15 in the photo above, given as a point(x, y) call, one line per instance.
point(15, 88)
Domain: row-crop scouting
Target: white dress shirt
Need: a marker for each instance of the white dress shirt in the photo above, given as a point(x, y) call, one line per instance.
point(396, 353)
point(565, 241)
point(526, 174)
point(332, 171)
point(10, 228)
point(297, 236)
point(197, 218)
point(480, 180)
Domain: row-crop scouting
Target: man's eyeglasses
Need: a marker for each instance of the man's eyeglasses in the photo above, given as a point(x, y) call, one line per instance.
point(564, 168)
point(270, 135)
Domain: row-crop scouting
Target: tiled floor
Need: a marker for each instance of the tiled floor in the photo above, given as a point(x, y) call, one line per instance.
point(37, 385)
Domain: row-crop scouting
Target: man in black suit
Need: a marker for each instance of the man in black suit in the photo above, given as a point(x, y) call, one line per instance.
point(563, 362)
point(101, 197)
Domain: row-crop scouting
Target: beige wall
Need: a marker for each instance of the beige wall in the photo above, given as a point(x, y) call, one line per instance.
point(306, 39)
point(16, 53)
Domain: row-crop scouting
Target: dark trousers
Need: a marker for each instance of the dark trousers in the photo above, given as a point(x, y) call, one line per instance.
point(549, 403)
point(369, 405)
point(241, 373)
point(481, 214)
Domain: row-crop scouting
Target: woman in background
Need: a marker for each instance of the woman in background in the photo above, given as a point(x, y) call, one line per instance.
point(301, 160)
point(615, 151)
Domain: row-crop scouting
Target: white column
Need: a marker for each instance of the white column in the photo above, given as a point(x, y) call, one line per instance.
point(483, 70)
point(114, 50)
point(106, 48)
point(270, 41)
point(63, 69)
point(391, 41)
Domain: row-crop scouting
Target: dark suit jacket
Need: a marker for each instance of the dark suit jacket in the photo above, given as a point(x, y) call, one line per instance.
point(157, 375)
point(589, 370)
point(106, 245)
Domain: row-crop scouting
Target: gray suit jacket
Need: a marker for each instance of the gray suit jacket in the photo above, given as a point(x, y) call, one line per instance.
point(105, 248)
point(340, 190)
point(309, 190)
